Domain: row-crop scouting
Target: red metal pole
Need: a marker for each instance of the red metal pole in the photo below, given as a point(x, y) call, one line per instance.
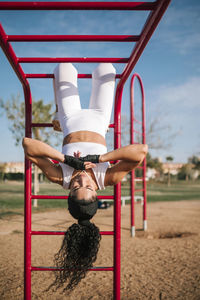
point(144, 162)
point(27, 202)
point(72, 59)
point(9, 52)
point(82, 76)
point(132, 172)
point(117, 199)
point(73, 38)
point(76, 5)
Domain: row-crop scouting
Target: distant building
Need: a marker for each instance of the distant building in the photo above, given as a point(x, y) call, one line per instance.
point(171, 167)
point(14, 167)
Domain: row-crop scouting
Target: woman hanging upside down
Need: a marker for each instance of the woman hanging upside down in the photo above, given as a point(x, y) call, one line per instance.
point(83, 164)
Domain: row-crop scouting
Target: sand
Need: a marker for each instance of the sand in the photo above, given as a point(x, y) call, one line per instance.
point(162, 263)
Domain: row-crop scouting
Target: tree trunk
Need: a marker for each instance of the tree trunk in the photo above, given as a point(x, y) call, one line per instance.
point(168, 179)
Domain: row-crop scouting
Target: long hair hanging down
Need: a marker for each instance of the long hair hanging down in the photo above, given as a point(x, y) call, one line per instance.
point(76, 255)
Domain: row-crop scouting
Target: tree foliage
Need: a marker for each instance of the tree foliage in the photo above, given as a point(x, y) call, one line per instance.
point(153, 163)
point(15, 112)
point(195, 160)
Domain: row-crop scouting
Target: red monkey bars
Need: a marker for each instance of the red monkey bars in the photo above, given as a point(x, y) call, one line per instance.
point(157, 9)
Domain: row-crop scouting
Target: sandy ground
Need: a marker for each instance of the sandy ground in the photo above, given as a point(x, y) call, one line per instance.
point(163, 263)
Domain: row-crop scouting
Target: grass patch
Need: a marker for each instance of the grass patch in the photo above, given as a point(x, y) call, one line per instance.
point(12, 195)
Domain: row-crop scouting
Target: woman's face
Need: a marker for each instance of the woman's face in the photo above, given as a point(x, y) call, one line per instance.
point(83, 187)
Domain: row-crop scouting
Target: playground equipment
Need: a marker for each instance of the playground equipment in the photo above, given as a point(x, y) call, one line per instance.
point(143, 166)
point(157, 10)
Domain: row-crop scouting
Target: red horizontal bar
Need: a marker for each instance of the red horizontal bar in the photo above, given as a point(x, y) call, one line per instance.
point(58, 269)
point(63, 232)
point(52, 76)
point(41, 125)
point(140, 167)
point(140, 190)
point(72, 59)
point(73, 38)
point(64, 197)
point(51, 125)
point(77, 5)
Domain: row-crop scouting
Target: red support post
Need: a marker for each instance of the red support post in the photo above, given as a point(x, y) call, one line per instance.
point(132, 141)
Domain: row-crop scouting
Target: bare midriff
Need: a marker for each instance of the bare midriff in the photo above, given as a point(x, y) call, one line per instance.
point(84, 136)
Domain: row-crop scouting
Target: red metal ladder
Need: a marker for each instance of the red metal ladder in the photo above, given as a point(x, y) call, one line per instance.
point(157, 10)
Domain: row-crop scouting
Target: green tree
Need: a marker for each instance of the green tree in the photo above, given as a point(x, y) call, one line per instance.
point(2, 170)
point(169, 159)
point(154, 163)
point(185, 171)
point(195, 160)
point(41, 113)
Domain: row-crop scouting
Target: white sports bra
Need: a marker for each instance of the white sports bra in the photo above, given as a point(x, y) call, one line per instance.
point(85, 149)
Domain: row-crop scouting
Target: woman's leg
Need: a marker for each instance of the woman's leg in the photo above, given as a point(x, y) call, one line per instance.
point(103, 86)
point(66, 91)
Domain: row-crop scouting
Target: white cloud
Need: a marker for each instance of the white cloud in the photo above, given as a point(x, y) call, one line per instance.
point(185, 95)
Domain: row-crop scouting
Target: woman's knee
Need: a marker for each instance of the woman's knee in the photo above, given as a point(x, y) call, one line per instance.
point(65, 71)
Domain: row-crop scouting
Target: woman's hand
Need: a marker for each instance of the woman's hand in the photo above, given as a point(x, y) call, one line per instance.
point(77, 154)
point(89, 165)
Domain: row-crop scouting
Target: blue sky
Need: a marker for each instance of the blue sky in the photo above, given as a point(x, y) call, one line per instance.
point(169, 67)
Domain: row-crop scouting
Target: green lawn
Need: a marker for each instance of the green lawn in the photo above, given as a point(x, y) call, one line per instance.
point(12, 198)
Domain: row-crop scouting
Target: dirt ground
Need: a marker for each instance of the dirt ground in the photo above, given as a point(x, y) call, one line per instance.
point(162, 263)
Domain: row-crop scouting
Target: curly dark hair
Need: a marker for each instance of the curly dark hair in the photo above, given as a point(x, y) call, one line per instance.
point(78, 251)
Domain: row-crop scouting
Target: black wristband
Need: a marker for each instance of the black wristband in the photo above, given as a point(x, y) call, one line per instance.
point(74, 162)
point(91, 157)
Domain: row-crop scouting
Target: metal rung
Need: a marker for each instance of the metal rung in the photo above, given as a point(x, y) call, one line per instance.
point(63, 232)
point(36, 5)
point(58, 269)
point(65, 197)
point(51, 125)
point(72, 59)
point(73, 38)
point(140, 190)
point(81, 76)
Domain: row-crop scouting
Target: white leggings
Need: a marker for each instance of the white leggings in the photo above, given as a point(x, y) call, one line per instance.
point(97, 117)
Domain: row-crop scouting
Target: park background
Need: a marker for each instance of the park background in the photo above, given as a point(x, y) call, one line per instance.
point(162, 263)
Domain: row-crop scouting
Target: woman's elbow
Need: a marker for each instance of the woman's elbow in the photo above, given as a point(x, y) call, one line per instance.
point(145, 149)
point(25, 145)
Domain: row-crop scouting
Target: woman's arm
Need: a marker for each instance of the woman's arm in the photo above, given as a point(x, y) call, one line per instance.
point(41, 154)
point(130, 157)
point(35, 148)
point(130, 153)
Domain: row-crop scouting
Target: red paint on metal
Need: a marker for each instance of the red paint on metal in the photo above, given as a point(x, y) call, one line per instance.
point(132, 131)
point(65, 197)
point(77, 5)
point(81, 76)
point(72, 59)
point(63, 232)
point(57, 269)
point(73, 38)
